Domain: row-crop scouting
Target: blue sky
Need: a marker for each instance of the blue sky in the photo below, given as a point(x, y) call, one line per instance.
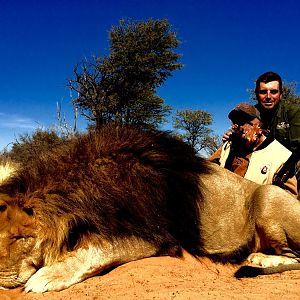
point(225, 46)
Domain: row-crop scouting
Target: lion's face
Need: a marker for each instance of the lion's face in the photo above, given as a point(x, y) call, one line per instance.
point(18, 254)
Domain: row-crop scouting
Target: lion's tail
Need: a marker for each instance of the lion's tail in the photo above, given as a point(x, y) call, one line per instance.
point(251, 271)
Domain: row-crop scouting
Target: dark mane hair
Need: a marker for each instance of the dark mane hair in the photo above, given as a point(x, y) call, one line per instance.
point(116, 181)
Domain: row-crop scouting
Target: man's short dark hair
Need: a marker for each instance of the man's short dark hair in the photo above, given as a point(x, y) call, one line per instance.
point(268, 77)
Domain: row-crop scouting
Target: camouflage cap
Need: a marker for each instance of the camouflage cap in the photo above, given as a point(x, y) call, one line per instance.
point(244, 112)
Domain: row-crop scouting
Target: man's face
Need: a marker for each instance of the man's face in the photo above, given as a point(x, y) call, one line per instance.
point(269, 94)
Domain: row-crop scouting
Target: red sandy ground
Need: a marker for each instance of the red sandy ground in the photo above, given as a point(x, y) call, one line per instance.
point(172, 278)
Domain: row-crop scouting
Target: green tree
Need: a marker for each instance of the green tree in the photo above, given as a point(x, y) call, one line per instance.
point(289, 93)
point(29, 146)
point(194, 128)
point(122, 86)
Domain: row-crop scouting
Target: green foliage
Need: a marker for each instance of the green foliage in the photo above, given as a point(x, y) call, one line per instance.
point(143, 51)
point(122, 86)
point(289, 93)
point(194, 129)
point(29, 146)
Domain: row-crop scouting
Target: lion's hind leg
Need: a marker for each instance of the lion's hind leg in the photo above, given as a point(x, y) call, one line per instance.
point(277, 221)
point(264, 260)
point(278, 230)
point(251, 271)
point(80, 264)
point(262, 264)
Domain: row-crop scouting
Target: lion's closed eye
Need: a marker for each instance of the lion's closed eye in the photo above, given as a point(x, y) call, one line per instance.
point(28, 211)
point(19, 238)
point(3, 208)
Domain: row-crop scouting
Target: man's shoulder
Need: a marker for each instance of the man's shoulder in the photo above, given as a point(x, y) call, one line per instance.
point(290, 108)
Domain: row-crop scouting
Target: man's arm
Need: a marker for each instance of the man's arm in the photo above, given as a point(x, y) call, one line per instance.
point(287, 171)
point(294, 122)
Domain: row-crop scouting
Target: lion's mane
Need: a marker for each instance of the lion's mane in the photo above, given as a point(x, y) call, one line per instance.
point(115, 182)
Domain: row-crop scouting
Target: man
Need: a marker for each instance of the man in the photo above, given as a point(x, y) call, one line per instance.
point(281, 121)
point(249, 152)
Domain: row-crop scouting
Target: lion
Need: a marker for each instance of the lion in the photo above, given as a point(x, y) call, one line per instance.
point(122, 193)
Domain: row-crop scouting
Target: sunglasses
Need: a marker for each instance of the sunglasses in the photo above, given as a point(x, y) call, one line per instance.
point(265, 92)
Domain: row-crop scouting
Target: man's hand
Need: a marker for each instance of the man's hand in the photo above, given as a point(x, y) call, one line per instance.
point(228, 134)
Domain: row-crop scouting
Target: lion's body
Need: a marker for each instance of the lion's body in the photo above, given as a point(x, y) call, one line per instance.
point(254, 217)
point(123, 194)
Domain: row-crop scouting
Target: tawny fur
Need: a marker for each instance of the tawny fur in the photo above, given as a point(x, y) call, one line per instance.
point(121, 194)
point(117, 182)
point(7, 170)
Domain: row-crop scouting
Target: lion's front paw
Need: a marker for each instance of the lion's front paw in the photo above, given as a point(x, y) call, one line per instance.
point(48, 278)
point(264, 260)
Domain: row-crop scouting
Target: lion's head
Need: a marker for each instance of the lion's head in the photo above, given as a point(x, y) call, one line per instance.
point(19, 259)
point(117, 183)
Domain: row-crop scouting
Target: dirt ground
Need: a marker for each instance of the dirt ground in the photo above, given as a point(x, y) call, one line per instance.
point(172, 278)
